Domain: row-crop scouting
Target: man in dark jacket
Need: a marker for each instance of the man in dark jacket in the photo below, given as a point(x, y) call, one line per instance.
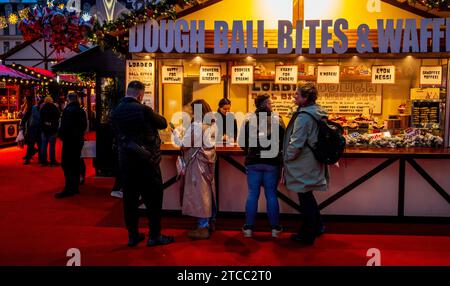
point(49, 120)
point(136, 130)
point(71, 132)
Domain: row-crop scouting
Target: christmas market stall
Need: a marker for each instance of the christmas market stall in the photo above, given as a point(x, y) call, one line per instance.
point(382, 74)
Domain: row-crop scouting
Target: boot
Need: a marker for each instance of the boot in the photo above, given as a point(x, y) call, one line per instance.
point(199, 233)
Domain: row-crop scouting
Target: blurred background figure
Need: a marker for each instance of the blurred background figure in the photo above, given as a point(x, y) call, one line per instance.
point(49, 121)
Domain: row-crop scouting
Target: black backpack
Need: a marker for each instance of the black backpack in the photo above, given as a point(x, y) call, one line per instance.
point(330, 144)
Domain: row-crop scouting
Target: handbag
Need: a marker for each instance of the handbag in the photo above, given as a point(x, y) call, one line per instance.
point(181, 163)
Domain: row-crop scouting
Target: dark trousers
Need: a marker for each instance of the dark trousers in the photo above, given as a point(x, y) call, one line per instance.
point(141, 179)
point(312, 222)
point(82, 168)
point(70, 163)
point(31, 150)
point(48, 139)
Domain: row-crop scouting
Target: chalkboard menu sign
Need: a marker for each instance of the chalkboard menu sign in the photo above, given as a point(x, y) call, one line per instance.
point(425, 113)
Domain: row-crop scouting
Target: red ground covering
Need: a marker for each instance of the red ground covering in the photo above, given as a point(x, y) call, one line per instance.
point(36, 229)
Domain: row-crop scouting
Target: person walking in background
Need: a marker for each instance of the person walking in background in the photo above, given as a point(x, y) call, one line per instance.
point(49, 119)
point(32, 133)
point(223, 113)
point(199, 193)
point(135, 127)
point(303, 173)
point(71, 132)
point(261, 169)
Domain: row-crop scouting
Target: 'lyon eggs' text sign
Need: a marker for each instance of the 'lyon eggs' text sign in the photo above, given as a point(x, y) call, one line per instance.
point(383, 74)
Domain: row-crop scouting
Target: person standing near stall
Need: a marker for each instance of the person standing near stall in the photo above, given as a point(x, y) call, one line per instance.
point(224, 114)
point(303, 173)
point(262, 169)
point(135, 127)
point(71, 132)
point(199, 193)
point(49, 119)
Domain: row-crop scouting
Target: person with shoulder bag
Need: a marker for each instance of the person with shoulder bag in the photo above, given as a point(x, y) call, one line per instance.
point(303, 173)
point(199, 155)
point(135, 128)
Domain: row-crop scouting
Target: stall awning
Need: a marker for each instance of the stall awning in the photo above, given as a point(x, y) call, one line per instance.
point(12, 73)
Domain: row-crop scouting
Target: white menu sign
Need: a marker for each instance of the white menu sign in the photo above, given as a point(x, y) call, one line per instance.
point(286, 74)
point(242, 74)
point(210, 74)
point(143, 71)
point(172, 74)
point(383, 74)
point(328, 74)
point(431, 75)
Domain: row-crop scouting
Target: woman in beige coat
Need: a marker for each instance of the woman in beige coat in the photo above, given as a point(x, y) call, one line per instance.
point(303, 173)
point(199, 193)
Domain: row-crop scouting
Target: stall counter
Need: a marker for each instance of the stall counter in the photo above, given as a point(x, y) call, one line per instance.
point(392, 182)
point(9, 128)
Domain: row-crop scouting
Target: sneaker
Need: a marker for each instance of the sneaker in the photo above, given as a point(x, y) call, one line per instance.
point(161, 240)
point(134, 240)
point(117, 194)
point(26, 162)
point(43, 163)
point(276, 230)
point(199, 233)
point(247, 231)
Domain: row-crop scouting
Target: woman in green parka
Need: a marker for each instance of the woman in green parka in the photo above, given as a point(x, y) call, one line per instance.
point(303, 174)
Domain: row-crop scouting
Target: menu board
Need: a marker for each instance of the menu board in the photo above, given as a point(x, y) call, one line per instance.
point(383, 74)
point(425, 113)
point(210, 74)
point(143, 71)
point(328, 74)
point(350, 97)
point(242, 74)
point(172, 74)
point(286, 74)
point(343, 98)
point(431, 75)
point(281, 96)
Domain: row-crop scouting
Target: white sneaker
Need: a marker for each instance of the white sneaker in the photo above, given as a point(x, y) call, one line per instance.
point(247, 232)
point(276, 232)
point(117, 194)
point(142, 207)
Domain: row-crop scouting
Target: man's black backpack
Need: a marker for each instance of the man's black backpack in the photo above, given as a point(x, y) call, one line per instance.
point(330, 144)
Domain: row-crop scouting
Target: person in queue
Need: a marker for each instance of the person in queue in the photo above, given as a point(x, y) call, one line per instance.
point(135, 127)
point(224, 114)
point(71, 133)
point(303, 173)
point(262, 170)
point(49, 120)
point(199, 193)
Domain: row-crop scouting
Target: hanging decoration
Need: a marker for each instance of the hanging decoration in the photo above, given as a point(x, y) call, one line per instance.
point(13, 18)
point(62, 28)
point(66, 29)
point(3, 22)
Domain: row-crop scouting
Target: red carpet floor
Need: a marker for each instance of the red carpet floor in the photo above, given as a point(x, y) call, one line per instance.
point(36, 229)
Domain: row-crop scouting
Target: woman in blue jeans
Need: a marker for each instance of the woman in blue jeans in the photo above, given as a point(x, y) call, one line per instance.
point(261, 139)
